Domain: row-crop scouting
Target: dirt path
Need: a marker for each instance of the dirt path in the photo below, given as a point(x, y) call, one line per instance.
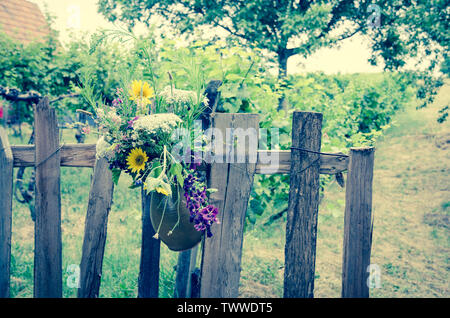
point(412, 205)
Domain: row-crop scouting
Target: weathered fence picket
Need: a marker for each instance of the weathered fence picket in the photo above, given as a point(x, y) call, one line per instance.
point(185, 269)
point(48, 243)
point(100, 200)
point(148, 282)
point(221, 259)
point(303, 209)
point(220, 267)
point(6, 189)
point(358, 223)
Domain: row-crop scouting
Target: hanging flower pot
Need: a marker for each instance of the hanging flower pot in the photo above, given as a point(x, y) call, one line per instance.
point(145, 144)
point(171, 221)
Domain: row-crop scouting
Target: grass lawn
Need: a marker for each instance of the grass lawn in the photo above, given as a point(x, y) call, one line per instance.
point(411, 207)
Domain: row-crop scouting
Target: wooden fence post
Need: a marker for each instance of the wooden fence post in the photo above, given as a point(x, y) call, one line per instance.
point(301, 227)
point(185, 269)
point(221, 259)
point(47, 253)
point(358, 223)
point(193, 283)
point(6, 190)
point(150, 253)
point(95, 229)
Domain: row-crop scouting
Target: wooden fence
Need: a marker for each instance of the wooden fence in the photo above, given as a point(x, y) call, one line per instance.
point(219, 272)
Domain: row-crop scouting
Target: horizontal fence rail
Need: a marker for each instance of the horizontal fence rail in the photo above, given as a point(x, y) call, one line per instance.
point(75, 155)
point(72, 155)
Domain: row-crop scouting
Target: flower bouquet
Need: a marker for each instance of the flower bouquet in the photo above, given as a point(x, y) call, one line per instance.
point(140, 136)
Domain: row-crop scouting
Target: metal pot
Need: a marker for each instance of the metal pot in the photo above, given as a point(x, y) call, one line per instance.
point(165, 212)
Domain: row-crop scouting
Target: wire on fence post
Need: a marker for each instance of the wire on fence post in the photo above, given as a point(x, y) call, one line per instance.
point(319, 153)
point(51, 155)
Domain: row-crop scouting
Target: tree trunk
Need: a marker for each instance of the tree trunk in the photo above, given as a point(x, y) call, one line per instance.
point(283, 56)
point(282, 64)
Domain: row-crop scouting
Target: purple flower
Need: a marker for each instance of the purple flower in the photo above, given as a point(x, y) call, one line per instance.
point(202, 214)
point(205, 218)
point(131, 122)
point(116, 102)
point(210, 213)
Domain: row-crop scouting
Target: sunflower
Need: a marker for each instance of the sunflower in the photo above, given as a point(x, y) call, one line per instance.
point(136, 160)
point(141, 92)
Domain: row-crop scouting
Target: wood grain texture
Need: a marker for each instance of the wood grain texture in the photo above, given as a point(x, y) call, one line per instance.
point(48, 245)
point(148, 284)
point(6, 190)
point(328, 164)
point(181, 280)
point(221, 258)
point(95, 230)
point(72, 155)
point(358, 223)
point(303, 208)
point(76, 155)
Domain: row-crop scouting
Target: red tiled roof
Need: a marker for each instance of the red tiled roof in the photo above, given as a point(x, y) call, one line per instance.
point(22, 20)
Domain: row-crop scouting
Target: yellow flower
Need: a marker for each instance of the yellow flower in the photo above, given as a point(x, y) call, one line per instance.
point(162, 190)
point(141, 92)
point(136, 160)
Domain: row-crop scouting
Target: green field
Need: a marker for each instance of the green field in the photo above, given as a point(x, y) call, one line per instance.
point(411, 239)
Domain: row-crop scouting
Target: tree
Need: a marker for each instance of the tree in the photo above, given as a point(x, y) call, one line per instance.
point(398, 29)
point(276, 26)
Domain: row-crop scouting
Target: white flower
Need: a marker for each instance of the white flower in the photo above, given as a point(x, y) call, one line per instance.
point(103, 149)
point(112, 115)
point(165, 122)
point(100, 112)
point(173, 95)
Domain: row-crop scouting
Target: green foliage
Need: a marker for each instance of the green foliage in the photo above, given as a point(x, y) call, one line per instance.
point(398, 31)
point(260, 24)
point(357, 108)
point(30, 68)
point(27, 67)
point(52, 70)
point(102, 66)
